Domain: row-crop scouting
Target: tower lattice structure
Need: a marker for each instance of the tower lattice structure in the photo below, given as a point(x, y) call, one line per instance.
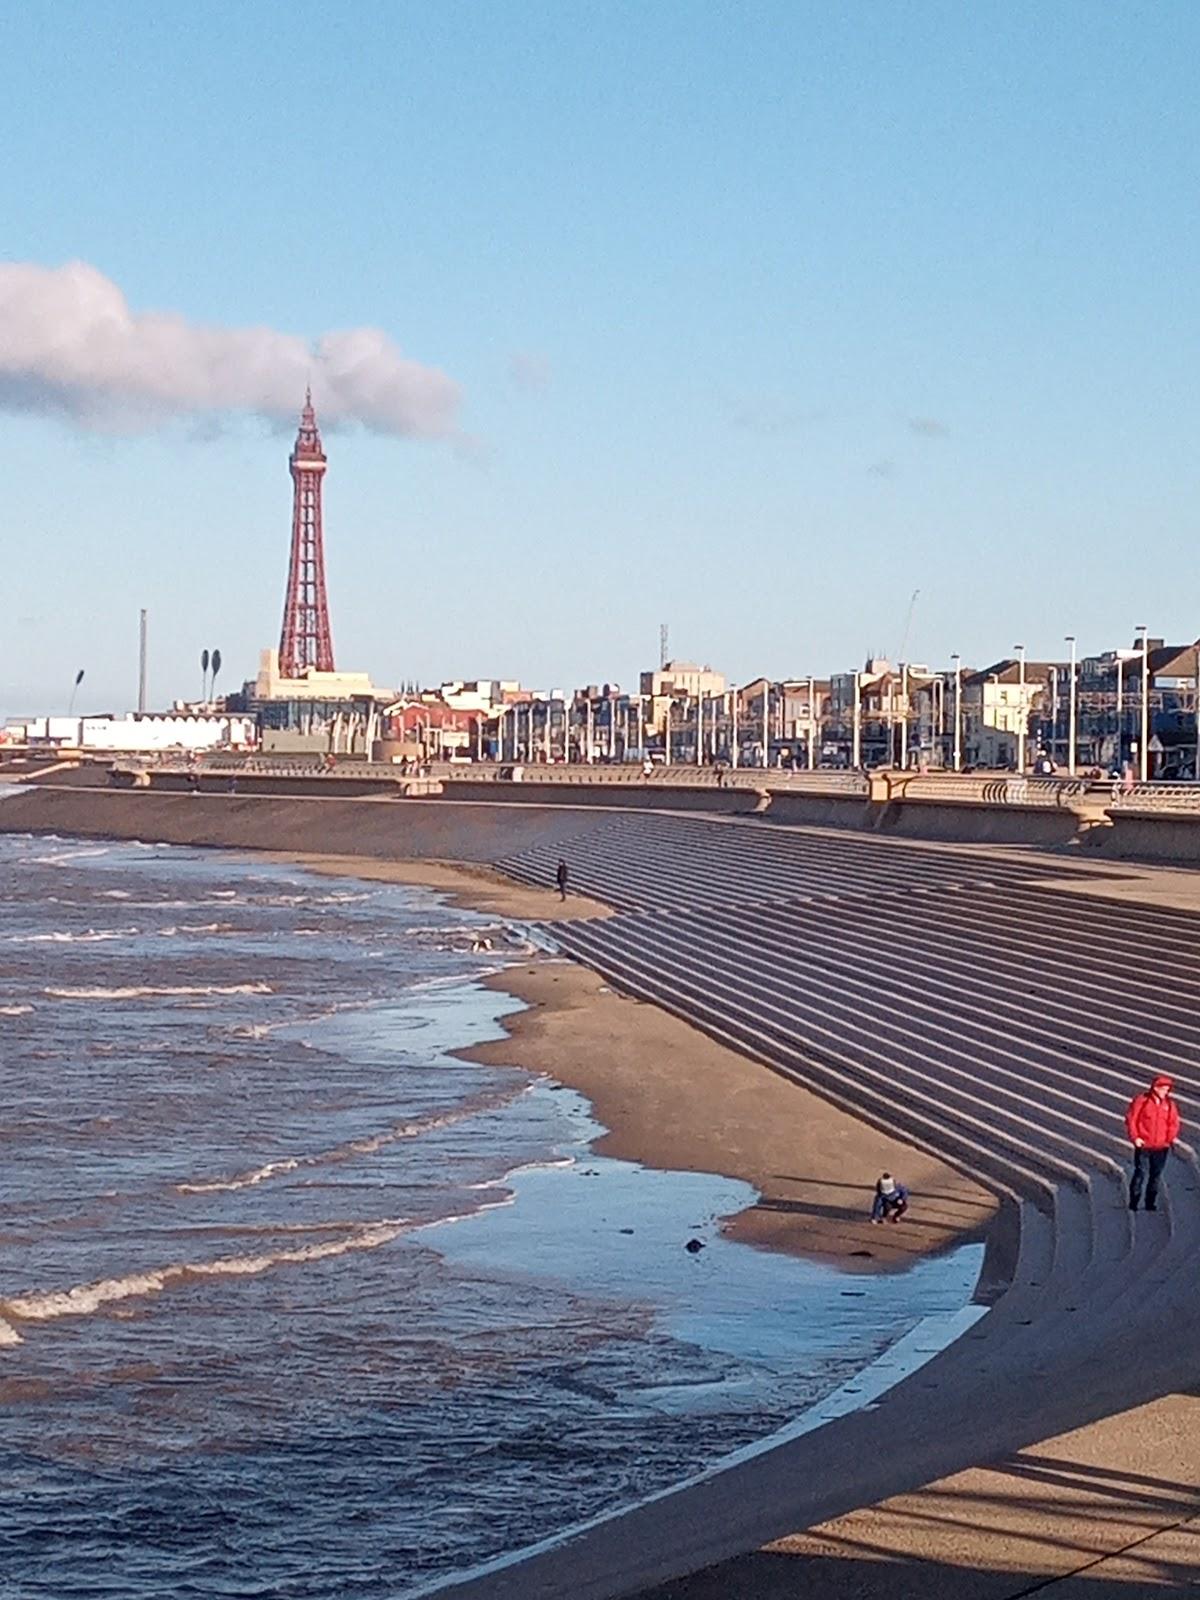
point(305, 640)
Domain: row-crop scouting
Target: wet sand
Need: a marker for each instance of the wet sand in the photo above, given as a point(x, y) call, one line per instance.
point(468, 885)
point(672, 1098)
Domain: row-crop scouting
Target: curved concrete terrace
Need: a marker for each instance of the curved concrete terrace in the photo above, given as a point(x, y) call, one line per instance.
point(953, 998)
point(949, 994)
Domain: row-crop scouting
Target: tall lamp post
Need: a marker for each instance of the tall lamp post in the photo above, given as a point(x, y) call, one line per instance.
point(957, 660)
point(1022, 713)
point(1144, 743)
point(903, 716)
point(1071, 711)
point(812, 726)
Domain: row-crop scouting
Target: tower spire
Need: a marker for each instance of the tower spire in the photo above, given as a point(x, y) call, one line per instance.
point(305, 640)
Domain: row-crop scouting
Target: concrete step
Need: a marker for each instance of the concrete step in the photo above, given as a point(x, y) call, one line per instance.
point(823, 1021)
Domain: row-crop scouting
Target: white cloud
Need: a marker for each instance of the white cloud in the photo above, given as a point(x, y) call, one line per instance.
point(70, 346)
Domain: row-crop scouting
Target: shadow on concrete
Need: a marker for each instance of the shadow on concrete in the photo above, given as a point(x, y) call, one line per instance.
point(1036, 1524)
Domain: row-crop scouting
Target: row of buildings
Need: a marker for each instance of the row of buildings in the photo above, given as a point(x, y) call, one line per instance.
point(1089, 714)
point(1093, 714)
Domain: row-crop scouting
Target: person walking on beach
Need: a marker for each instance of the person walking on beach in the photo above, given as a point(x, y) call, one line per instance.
point(1152, 1123)
point(560, 878)
point(891, 1199)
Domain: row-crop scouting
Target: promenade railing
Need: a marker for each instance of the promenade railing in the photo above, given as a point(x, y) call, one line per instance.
point(1157, 798)
point(1005, 789)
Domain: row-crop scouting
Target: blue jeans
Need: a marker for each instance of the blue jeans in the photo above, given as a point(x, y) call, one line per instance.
point(1146, 1162)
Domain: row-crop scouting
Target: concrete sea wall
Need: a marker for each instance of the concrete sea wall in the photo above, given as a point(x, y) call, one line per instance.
point(386, 829)
point(483, 821)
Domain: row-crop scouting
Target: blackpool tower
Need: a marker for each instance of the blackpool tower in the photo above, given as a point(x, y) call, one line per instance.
point(305, 640)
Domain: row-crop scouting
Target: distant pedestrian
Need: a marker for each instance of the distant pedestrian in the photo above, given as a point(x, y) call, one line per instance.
point(193, 779)
point(560, 878)
point(891, 1199)
point(1152, 1123)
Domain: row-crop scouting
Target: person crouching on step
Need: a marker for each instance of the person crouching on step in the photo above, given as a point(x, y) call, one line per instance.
point(891, 1199)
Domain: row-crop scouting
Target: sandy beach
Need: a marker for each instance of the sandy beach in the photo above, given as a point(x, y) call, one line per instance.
point(473, 886)
point(671, 1097)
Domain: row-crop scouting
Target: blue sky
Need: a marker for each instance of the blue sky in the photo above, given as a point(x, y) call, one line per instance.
point(762, 316)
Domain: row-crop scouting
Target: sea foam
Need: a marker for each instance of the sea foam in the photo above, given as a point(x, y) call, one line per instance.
point(85, 1298)
point(166, 990)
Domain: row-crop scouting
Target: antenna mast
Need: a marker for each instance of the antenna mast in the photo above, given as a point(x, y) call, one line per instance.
point(908, 621)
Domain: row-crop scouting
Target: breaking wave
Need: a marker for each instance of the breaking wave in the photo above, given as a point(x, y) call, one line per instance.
point(165, 990)
point(85, 1298)
point(64, 858)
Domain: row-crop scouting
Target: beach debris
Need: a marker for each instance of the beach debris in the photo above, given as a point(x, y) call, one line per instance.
point(867, 1254)
point(625, 1230)
point(694, 1246)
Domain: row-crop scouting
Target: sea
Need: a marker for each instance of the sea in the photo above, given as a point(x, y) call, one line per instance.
point(297, 1303)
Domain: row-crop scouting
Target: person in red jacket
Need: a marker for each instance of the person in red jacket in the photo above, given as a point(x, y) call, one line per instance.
point(1152, 1123)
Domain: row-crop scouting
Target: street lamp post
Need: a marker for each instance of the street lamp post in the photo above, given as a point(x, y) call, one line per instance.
point(1119, 712)
point(957, 661)
point(856, 748)
point(766, 724)
point(1144, 745)
point(733, 728)
point(812, 724)
point(1022, 713)
point(1071, 702)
